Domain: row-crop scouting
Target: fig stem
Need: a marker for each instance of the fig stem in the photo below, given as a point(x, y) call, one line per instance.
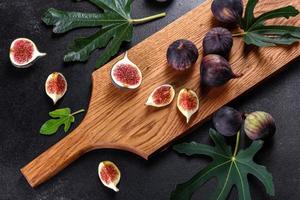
point(77, 112)
point(147, 19)
point(237, 142)
point(239, 34)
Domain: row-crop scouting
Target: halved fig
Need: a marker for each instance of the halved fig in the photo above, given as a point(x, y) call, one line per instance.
point(23, 53)
point(109, 175)
point(125, 74)
point(56, 86)
point(187, 103)
point(161, 96)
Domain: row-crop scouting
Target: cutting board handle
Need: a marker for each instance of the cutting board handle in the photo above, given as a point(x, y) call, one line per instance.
point(56, 158)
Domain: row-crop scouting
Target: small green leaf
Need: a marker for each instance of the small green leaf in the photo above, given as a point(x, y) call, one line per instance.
point(60, 112)
point(62, 116)
point(231, 170)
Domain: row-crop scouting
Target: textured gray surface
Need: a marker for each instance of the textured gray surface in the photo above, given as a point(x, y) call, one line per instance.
point(24, 107)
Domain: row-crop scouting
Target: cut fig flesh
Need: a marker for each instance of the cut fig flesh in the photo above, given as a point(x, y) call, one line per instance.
point(109, 175)
point(56, 86)
point(161, 96)
point(125, 74)
point(187, 103)
point(23, 53)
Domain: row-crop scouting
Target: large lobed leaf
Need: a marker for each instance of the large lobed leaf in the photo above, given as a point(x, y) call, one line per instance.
point(228, 171)
point(257, 33)
point(115, 27)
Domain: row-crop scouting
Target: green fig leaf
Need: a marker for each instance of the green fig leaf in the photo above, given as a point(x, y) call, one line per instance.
point(257, 33)
point(115, 24)
point(230, 171)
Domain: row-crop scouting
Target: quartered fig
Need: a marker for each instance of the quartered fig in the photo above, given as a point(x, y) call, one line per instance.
point(259, 125)
point(218, 41)
point(109, 175)
point(228, 11)
point(161, 96)
point(56, 86)
point(125, 74)
point(23, 53)
point(227, 121)
point(182, 54)
point(187, 103)
point(216, 71)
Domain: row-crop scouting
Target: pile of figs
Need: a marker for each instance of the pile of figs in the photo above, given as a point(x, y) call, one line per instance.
point(182, 55)
point(256, 125)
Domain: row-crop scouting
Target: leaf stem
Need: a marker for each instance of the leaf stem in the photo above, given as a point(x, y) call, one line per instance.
point(77, 112)
point(239, 34)
point(237, 142)
point(147, 19)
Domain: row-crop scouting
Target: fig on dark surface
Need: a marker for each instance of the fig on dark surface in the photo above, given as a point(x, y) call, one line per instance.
point(218, 41)
point(228, 11)
point(182, 54)
point(109, 175)
point(161, 96)
point(125, 74)
point(216, 71)
point(259, 125)
point(227, 121)
point(23, 53)
point(56, 86)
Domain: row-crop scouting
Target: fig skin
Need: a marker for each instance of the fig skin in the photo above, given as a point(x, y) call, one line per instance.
point(228, 11)
point(218, 41)
point(227, 121)
point(182, 54)
point(259, 125)
point(216, 71)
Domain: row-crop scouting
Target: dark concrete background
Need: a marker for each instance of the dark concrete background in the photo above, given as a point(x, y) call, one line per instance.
point(24, 106)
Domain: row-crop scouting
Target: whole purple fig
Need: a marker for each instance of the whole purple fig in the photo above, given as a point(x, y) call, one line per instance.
point(182, 54)
point(227, 121)
point(218, 41)
point(216, 71)
point(228, 11)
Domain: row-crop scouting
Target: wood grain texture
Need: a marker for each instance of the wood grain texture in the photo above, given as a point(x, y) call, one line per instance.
point(119, 119)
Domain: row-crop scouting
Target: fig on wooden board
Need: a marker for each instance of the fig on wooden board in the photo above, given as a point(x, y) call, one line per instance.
point(161, 96)
point(218, 41)
point(109, 175)
point(125, 74)
point(227, 11)
point(182, 54)
point(187, 103)
point(56, 86)
point(216, 71)
point(23, 53)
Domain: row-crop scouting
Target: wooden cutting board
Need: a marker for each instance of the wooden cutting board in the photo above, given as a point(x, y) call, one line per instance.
point(119, 119)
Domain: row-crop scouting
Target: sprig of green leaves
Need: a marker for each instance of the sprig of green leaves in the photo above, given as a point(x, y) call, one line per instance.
point(259, 34)
point(60, 117)
point(231, 168)
point(115, 27)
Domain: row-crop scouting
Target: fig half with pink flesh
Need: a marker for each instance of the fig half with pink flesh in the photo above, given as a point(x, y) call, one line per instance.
point(109, 175)
point(56, 86)
point(187, 103)
point(23, 53)
point(126, 74)
point(161, 96)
